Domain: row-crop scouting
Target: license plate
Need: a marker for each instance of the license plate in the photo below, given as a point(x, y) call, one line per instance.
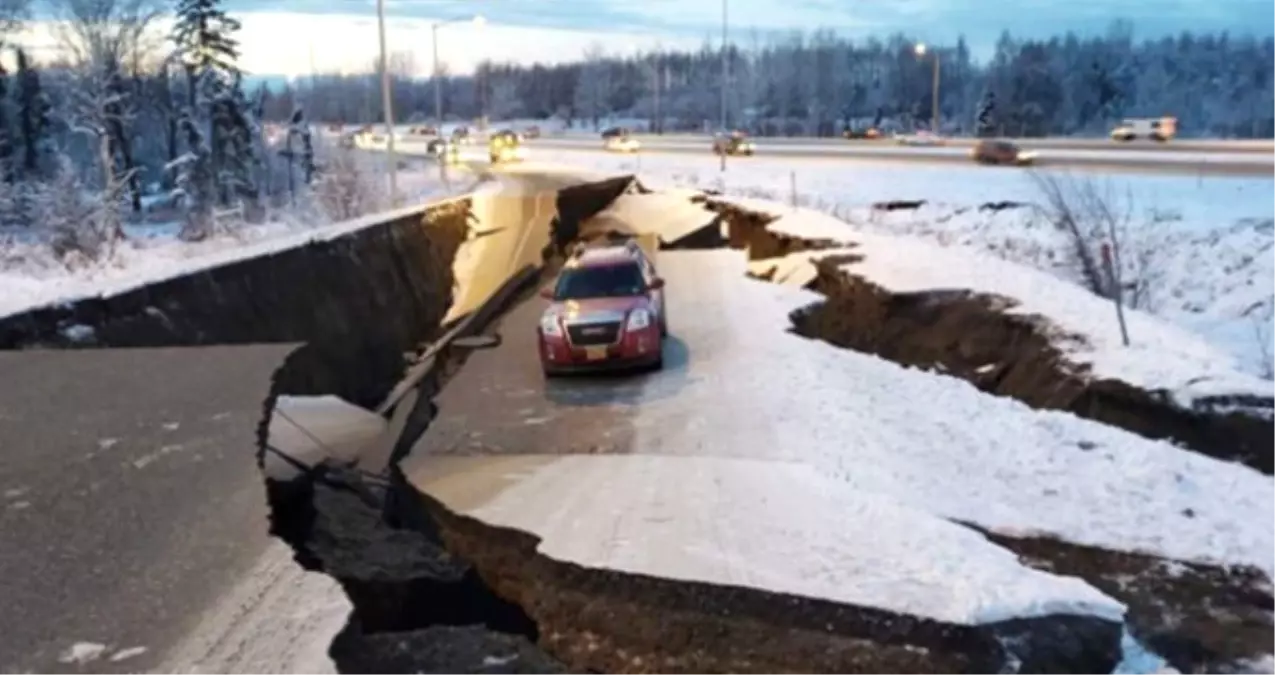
point(595, 353)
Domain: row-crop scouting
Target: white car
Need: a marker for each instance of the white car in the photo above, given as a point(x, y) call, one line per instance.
point(622, 144)
point(920, 138)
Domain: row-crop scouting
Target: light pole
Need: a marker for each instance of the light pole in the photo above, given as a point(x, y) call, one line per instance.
point(725, 66)
point(387, 101)
point(478, 21)
point(921, 50)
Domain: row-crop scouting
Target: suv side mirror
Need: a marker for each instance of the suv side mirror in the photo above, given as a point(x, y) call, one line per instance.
point(655, 285)
point(547, 292)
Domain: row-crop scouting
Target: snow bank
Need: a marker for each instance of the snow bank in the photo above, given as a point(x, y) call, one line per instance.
point(1160, 356)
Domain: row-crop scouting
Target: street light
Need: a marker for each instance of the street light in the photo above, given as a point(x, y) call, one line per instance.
point(725, 65)
point(387, 101)
point(921, 51)
point(478, 22)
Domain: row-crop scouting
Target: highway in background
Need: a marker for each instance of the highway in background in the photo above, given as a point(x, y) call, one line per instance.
point(1258, 147)
point(863, 153)
point(1252, 159)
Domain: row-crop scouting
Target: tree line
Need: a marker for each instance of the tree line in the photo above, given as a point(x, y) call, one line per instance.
point(121, 117)
point(818, 83)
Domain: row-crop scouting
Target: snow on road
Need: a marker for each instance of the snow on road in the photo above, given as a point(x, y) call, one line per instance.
point(779, 526)
point(1205, 244)
point(773, 461)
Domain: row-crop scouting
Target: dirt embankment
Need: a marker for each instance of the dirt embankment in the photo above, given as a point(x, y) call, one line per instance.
point(970, 336)
point(1201, 618)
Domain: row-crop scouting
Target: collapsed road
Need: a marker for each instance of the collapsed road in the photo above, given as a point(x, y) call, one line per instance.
point(510, 539)
point(536, 504)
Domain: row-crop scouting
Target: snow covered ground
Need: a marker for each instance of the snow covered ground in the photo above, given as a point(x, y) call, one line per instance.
point(31, 276)
point(1203, 245)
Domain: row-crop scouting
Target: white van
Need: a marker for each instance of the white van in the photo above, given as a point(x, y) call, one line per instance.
point(1156, 129)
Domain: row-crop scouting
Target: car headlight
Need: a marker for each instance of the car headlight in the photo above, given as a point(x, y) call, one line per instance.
point(639, 319)
point(550, 325)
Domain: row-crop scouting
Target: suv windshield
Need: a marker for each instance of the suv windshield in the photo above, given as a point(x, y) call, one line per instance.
point(611, 281)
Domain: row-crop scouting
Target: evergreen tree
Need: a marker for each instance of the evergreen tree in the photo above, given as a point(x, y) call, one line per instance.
point(204, 34)
point(985, 121)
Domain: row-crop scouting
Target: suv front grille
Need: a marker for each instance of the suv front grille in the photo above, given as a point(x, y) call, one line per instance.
point(590, 334)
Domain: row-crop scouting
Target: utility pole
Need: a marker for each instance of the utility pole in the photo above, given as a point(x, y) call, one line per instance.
point(387, 102)
point(725, 66)
point(921, 50)
point(659, 114)
point(934, 110)
point(438, 82)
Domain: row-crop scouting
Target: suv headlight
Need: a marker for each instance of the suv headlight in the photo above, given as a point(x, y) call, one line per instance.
point(550, 325)
point(639, 319)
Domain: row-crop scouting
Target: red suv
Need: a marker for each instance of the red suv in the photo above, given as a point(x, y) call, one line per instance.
point(607, 311)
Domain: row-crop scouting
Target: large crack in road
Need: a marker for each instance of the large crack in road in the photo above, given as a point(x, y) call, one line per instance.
point(434, 589)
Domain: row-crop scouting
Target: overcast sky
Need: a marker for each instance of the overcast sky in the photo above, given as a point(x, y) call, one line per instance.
point(290, 36)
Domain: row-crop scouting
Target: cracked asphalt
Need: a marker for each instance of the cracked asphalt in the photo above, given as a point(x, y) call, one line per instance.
point(130, 498)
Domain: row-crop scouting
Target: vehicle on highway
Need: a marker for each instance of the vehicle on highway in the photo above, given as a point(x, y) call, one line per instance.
point(869, 134)
point(920, 138)
point(1157, 129)
point(621, 143)
point(422, 130)
point(442, 150)
point(612, 132)
point(504, 146)
point(462, 135)
point(1001, 153)
point(606, 311)
point(532, 131)
point(732, 143)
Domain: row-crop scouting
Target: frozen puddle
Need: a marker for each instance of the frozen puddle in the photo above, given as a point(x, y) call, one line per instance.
point(769, 525)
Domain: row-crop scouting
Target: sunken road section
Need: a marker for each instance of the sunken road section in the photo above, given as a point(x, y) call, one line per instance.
point(435, 591)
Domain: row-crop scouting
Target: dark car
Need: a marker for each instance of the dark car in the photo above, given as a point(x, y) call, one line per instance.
point(733, 143)
point(869, 134)
point(606, 311)
point(1001, 153)
point(614, 132)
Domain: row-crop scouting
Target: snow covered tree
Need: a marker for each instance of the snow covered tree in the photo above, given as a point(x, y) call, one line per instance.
point(985, 120)
point(298, 134)
point(235, 132)
point(96, 113)
point(204, 34)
